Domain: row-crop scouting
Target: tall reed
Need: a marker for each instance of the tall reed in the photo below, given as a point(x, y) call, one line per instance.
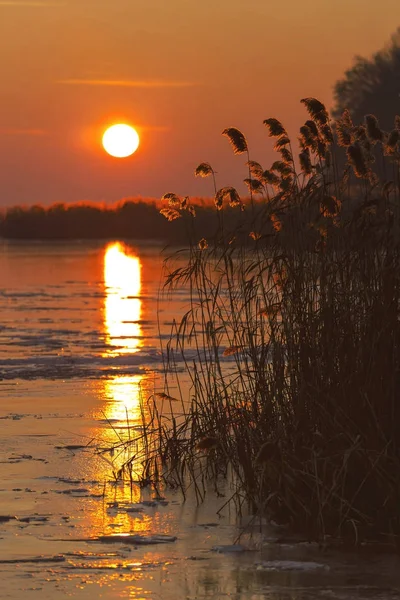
point(292, 340)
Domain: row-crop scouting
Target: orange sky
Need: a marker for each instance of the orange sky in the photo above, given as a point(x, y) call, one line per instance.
point(180, 70)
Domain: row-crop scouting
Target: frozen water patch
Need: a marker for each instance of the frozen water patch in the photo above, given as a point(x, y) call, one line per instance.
point(70, 366)
point(290, 565)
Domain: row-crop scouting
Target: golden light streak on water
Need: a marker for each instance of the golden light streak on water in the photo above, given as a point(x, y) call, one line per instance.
point(122, 394)
point(122, 307)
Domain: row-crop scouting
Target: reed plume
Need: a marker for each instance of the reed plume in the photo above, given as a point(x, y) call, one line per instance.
point(275, 128)
point(316, 110)
point(237, 140)
point(270, 178)
point(330, 206)
point(173, 199)
point(276, 222)
point(357, 160)
point(282, 167)
point(255, 169)
point(326, 133)
point(313, 128)
point(374, 133)
point(170, 213)
point(227, 193)
point(254, 185)
point(204, 170)
point(308, 139)
point(286, 155)
point(203, 244)
point(305, 161)
point(392, 141)
point(343, 128)
point(282, 141)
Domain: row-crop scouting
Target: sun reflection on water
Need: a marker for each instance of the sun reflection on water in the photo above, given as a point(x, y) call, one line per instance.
point(123, 332)
point(122, 393)
point(123, 307)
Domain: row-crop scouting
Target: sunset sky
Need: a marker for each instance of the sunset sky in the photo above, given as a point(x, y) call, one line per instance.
point(178, 70)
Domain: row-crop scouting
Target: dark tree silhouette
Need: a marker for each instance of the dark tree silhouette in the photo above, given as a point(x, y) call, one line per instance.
point(372, 85)
point(129, 219)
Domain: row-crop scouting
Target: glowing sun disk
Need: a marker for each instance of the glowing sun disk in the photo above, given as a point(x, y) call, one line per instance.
point(120, 140)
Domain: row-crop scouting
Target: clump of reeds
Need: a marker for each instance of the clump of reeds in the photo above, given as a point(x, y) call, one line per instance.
point(295, 328)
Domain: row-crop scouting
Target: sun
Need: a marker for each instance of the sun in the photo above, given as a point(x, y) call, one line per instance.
point(120, 140)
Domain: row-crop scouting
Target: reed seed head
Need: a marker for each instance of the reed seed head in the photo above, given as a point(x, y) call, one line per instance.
point(204, 170)
point(255, 169)
point(237, 140)
point(170, 213)
point(374, 133)
point(282, 141)
point(346, 118)
point(312, 126)
point(227, 193)
point(357, 160)
point(275, 127)
point(316, 110)
point(307, 137)
point(282, 168)
point(330, 206)
point(270, 178)
point(343, 134)
point(360, 133)
point(286, 155)
point(173, 199)
point(392, 141)
point(305, 161)
point(276, 222)
point(286, 184)
point(254, 186)
point(203, 244)
point(326, 133)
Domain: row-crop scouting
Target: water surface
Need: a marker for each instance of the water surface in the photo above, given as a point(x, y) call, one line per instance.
point(79, 352)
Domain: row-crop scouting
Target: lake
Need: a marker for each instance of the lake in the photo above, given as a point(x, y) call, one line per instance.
point(81, 336)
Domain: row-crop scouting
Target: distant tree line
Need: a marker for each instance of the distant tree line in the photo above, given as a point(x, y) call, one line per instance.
point(372, 85)
point(129, 219)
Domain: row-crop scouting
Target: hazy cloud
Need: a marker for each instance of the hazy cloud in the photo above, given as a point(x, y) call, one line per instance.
point(129, 83)
point(32, 4)
point(11, 131)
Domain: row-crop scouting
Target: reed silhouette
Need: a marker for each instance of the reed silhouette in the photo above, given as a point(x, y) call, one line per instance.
point(292, 340)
